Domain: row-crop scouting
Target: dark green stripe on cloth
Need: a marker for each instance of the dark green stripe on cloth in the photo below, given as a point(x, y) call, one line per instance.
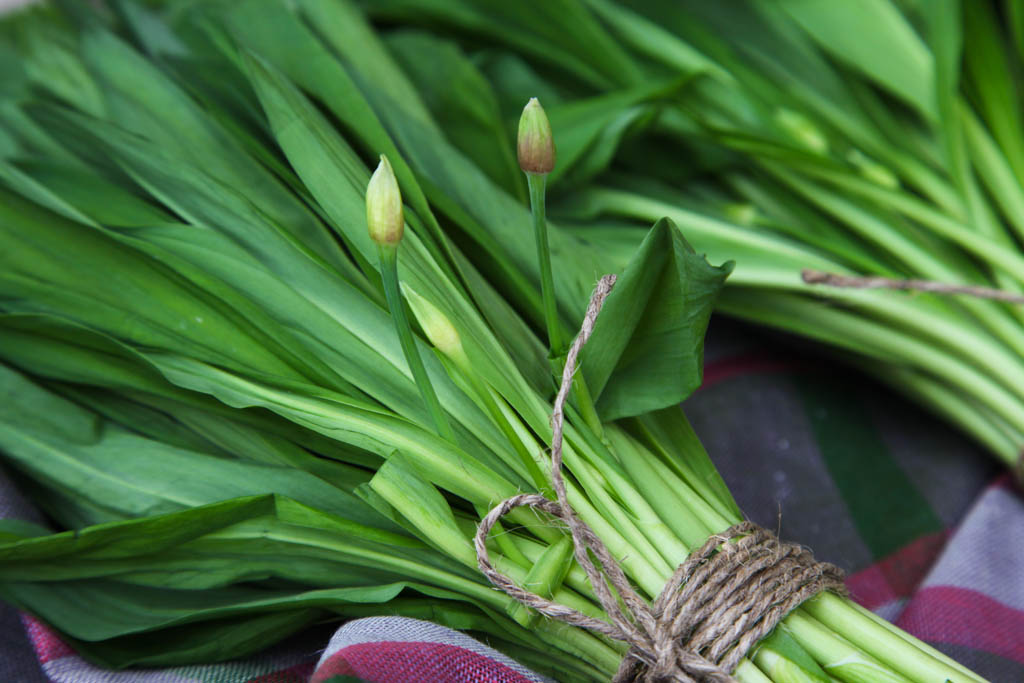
point(886, 507)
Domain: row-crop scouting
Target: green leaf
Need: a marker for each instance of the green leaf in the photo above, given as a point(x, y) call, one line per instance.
point(994, 80)
point(56, 349)
point(196, 643)
point(324, 161)
point(668, 432)
point(349, 421)
point(278, 36)
point(400, 484)
point(434, 160)
point(143, 100)
point(52, 264)
point(654, 41)
point(99, 198)
point(561, 33)
point(462, 102)
point(646, 351)
point(588, 132)
point(74, 451)
point(794, 664)
point(874, 38)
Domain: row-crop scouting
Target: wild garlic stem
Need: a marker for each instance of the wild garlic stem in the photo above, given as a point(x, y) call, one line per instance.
point(556, 344)
point(536, 183)
point(389, 275)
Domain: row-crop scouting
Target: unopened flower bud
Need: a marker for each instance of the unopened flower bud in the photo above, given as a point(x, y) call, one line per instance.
point(536, 145)
point(872, 170)
point(384, 215)
point(741, 213)
point(802, 130)
point(436, 325)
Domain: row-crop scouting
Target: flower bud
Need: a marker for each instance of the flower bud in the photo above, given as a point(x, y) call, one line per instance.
point(802, 130)
point(436, 325)
point(536, 145)
point(872, 170)
point(741, 213)
point(384, 215)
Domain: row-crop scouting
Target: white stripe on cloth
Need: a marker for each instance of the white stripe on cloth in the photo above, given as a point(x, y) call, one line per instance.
point(986, 553)
point(406, 630)
point(76, 670)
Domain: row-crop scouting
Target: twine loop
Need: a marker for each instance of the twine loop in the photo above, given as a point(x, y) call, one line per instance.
point(719, 603)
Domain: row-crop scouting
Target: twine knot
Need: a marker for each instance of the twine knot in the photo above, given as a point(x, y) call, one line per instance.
point(720, 602)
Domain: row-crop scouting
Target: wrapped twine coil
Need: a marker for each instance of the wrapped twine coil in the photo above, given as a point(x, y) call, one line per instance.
point(719, 603)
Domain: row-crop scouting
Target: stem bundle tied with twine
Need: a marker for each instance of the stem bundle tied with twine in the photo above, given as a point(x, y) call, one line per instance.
point(717, 605)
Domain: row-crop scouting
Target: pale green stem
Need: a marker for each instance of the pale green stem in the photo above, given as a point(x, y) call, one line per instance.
point(837, 656)
point(911, 658)
point(896, 631)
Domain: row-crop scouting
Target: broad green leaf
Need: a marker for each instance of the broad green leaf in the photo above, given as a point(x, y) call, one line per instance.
point(149, 30)
point(588, 132)
point(431, 157)
point(874, 38)
point(99, 198)
point(349, 421)
point(669, 434)
point(139, 418)
point(141, 99)
point(198, 643)
point(993, 79)
point(50, 61)
point(324, 161)
point(131, 476)
point(276, 34)
point(401, 485)
point(27, 187)
point(646, 351)
point(562, 33)
point(795, 664)
point(56, 349)
point(462, 102)
point(51, 264)
point(654, 41)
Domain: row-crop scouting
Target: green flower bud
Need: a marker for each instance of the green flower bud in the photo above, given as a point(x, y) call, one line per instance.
point(384, 215)
point(872, 170)
point(536, 145)
point(438, 328)
point(802, 130)
point(741, 213)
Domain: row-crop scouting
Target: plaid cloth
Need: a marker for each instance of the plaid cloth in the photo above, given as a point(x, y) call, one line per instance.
point(930, 530)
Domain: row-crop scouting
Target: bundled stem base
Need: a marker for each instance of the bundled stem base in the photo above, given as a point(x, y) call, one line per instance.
point(716, 606)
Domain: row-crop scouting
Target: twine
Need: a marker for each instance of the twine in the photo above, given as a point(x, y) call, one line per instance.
point(817, 277)
point(729, 593)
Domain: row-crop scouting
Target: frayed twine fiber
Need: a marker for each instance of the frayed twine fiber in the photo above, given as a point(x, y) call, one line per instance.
point(729, 593)
point(817, 277)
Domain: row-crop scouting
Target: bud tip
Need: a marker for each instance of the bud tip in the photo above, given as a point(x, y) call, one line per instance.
point(384, 215)
point(536, 146)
